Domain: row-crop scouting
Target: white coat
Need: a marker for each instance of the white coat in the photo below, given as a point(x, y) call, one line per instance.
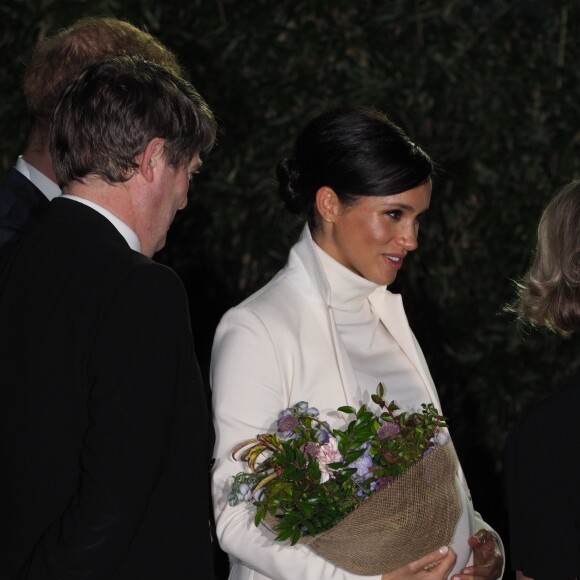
point(279, 347)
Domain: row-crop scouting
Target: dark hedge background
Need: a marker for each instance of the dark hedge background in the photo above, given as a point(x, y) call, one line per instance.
point(489, 89)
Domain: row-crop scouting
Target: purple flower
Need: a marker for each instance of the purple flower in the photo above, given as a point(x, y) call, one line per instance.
point(322, 435)
point(286, 413)
point(311, 449)
point(287, 422)
point(388, 430)
point(363, 465)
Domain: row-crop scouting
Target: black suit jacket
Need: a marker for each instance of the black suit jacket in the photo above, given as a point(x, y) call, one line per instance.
point(21, 204)
point(543, 482)
point(105, 437)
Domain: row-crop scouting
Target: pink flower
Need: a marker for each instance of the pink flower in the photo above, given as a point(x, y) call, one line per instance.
point(328, 453)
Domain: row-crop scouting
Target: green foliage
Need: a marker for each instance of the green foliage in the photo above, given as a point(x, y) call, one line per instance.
point(488, 88)
point(310, 476)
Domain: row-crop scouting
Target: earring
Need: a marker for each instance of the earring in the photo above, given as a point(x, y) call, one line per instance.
point(327, 220)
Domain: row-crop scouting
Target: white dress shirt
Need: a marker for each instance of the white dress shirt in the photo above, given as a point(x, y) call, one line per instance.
point(48, 187)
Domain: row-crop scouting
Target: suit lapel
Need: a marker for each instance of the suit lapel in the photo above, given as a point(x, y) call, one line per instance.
point(389, 308)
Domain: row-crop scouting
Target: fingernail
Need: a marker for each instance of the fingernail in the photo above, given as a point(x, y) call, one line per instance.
point(443, 550)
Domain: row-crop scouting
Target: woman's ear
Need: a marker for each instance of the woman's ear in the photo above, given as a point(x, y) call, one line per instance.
point(149, 160)
point(327, 203)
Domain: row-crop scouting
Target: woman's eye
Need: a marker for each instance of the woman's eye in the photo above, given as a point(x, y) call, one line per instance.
point(394, 214)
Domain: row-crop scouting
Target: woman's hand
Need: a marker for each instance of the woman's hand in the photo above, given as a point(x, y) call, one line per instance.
point(487, 558)
point(434, 566)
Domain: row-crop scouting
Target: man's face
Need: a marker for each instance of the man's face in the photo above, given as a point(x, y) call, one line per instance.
point(169, 195)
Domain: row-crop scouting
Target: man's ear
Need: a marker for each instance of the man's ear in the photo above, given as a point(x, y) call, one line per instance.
point(151, 157)
point(327, 203)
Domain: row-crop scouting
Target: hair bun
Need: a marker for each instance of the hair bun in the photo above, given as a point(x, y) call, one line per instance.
point(288, 185)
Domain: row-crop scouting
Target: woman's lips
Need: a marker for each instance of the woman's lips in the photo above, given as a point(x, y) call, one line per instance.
point(395, 262)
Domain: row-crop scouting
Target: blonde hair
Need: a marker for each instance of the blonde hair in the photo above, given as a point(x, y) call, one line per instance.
point(549, 293)
point(60, 58)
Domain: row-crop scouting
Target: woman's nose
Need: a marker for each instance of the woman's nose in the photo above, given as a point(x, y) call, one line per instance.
point(408, 239)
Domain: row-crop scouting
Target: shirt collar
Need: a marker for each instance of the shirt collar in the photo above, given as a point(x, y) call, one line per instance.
point(48, 187)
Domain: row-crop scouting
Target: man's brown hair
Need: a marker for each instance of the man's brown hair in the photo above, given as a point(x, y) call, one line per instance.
point(57, 60)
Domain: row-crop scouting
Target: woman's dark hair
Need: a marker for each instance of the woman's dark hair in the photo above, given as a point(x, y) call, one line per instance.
point(549, 294)
point(355, 151)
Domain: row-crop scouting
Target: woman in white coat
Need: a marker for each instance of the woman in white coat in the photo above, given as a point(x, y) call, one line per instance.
point(326, 330)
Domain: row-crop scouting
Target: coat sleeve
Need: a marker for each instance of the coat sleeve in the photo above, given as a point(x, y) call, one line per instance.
point(248, 395)
point(140, 369)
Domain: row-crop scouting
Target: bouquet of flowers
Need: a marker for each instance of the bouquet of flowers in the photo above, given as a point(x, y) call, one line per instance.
point(388, 478)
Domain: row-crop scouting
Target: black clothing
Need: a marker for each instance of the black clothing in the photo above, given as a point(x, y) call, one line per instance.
point(21, 204)
point(543, 488)
point(105, 435)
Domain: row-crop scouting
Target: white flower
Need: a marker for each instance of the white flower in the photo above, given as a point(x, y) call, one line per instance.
point(440, 438)
point(328, 453)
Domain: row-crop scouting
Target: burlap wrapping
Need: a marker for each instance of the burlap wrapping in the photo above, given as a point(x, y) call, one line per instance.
point(415, 514)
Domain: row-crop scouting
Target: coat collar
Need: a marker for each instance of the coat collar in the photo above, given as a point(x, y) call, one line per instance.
point(85, 218)
point(305, 269)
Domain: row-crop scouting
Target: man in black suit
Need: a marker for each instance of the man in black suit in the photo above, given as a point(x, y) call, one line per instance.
point(31, 183)
point(105, 436)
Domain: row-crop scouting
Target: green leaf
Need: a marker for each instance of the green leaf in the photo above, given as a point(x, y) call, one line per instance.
point(361, 412)
point(284, 535)
point(380, 390)
point(260, 515)
point(296, 533)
